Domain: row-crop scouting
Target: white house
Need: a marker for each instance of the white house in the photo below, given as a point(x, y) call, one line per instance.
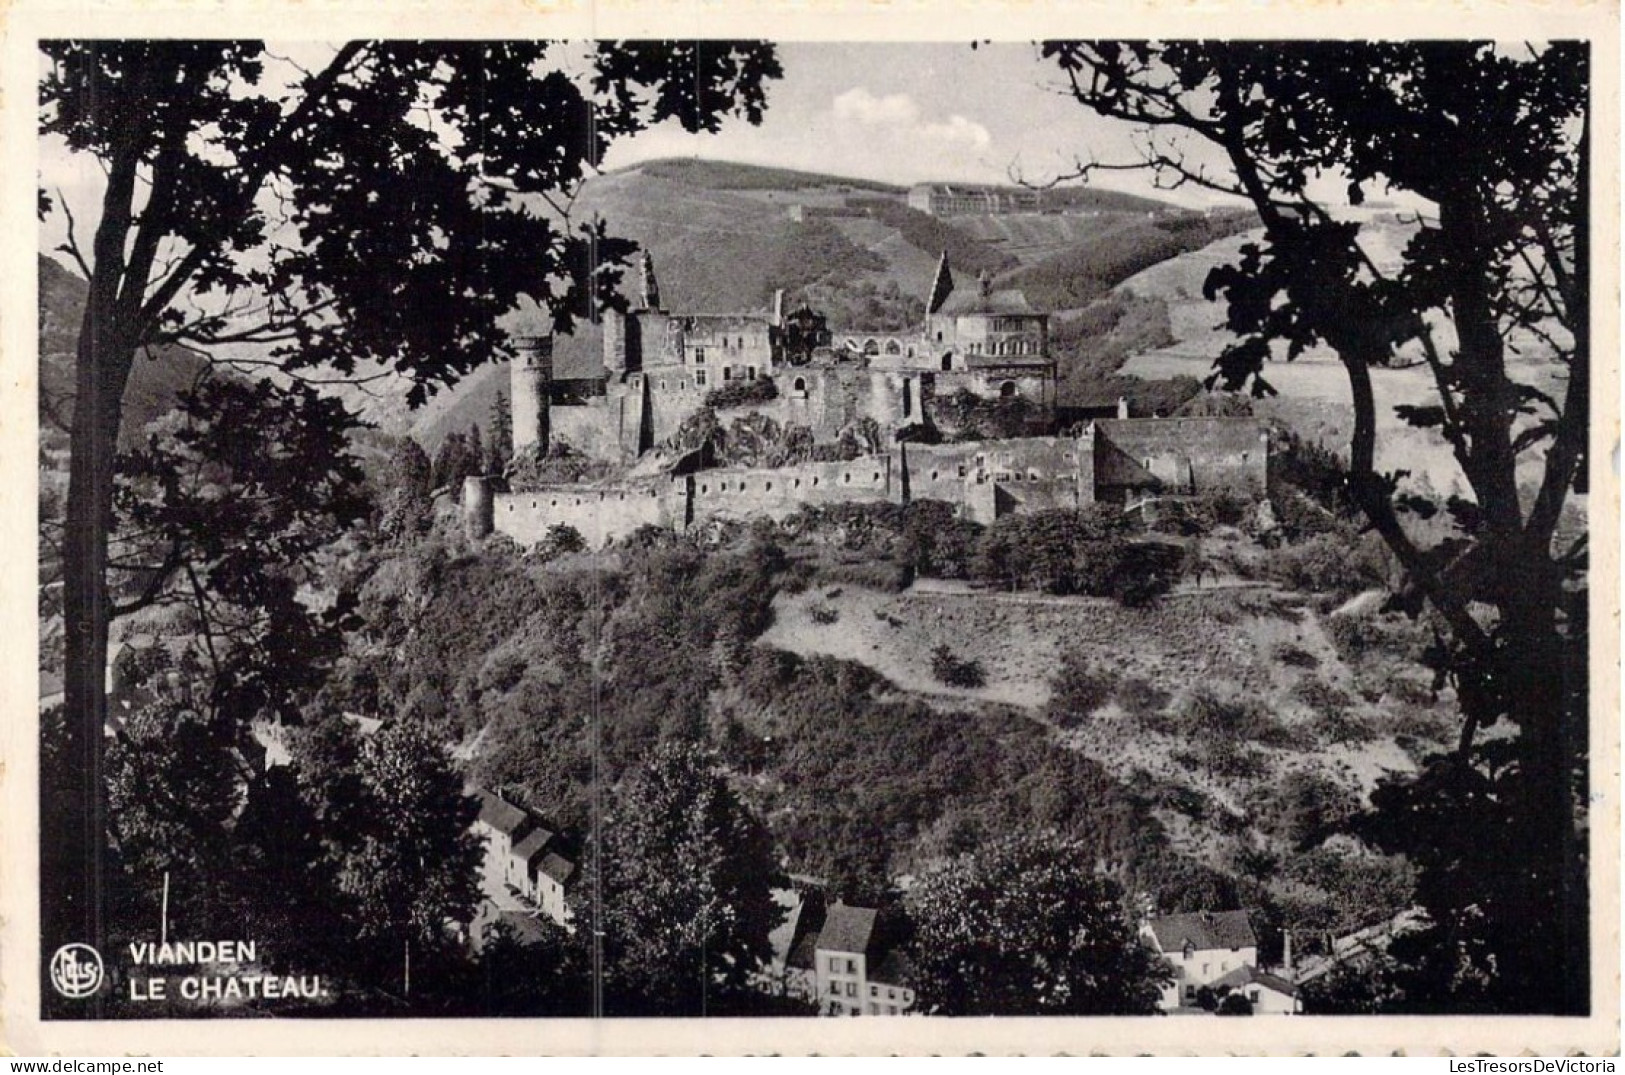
point(1203, 947)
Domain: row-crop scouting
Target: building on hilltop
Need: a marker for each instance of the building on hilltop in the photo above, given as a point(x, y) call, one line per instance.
point(660, 367)
point(950, 199)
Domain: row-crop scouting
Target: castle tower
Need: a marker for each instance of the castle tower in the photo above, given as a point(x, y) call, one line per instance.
point(531, 373)
point(479, 512)
point(651, 286)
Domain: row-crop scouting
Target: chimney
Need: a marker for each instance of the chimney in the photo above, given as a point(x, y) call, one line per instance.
point(984, 284)
point(778, 307)
point(1286, 953)
point(1122, 406)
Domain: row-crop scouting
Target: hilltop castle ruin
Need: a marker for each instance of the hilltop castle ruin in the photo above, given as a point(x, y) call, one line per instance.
point(976, 347)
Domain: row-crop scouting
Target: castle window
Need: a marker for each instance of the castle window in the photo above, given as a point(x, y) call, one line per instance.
point(847, 478)
point(870, 347)
point(799, 386)
point(815, 480)
point(727, 373)
point(768, 488)
point(662, 384)
point(876, 477)
point(705, 488)
point(699, 378)
point(750, 373)
point(699, 354)
point(911, 352)
point(1007, 389)
point(933, 475)
point(947, 359)
point(555, 503)
point(892, 348)
point(795, 483)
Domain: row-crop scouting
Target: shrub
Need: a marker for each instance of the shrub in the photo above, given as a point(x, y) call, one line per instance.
point(742, 394)
point(955, 671)
point(1209, 717)
point(1078, 689)
point(824, 615)
point(1139, 698)
point(1235, 1004)
point(1296, 657)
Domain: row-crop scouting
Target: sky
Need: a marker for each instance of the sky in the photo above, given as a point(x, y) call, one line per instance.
point(899, 113)
point(905, 113)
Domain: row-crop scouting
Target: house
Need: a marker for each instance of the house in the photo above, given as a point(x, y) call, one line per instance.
point(1269, 994)
point(854, 971)
point(527, 856)
point(1203, 947)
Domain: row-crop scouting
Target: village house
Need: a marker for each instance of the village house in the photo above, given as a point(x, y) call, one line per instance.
point(529, 857)
point(1213, 949)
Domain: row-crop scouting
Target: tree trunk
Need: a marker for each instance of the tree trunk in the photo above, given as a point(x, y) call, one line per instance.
point(73, 834)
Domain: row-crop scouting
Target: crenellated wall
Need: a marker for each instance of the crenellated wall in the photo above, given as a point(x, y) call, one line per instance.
point(598, 513)
point(987, 480)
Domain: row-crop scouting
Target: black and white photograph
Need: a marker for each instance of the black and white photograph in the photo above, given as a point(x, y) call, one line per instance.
point(558, 528)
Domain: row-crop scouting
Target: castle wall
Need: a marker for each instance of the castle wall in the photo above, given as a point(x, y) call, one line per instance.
point(992, 479)
point(739, 493)
point(594, 429)
point(599, 513)
point(1204, 454)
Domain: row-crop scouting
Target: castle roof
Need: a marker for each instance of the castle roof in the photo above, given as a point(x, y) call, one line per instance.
point(1204, 930)
point(1006, 301)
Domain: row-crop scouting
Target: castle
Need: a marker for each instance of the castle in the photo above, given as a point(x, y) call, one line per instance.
point(976, 348)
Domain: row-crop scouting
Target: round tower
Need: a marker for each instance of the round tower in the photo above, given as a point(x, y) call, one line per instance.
point(479, 510)
point(532, 372)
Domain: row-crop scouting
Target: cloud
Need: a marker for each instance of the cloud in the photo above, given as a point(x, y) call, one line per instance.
point(959, 129)
point(900, 113)
point(897, 109)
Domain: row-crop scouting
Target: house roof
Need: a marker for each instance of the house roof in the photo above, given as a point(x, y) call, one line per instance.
point(501, 814)
point(893, 968)
point(1204, 930)
point(1245, 975)
point(558, 867)
point(984, 362)
point(847, 929)
point(532, 845)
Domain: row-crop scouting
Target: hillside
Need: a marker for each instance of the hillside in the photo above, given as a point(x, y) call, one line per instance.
point(1314, 392)
point(723, 237)
point(154, 381)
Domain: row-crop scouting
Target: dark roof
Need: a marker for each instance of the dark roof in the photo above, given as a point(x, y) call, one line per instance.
point(972, 301)
point(558, 867)
point(893, 968)
point(532, 845)
point(847, 929)
point(1244, 976)
point(982, 362)
point(500, 814)
point(1204, 929)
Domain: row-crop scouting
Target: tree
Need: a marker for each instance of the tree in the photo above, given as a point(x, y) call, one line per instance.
point(408, 505)
point(1026, 927)
point(455, 460)
point(686, 874)
point(501, 446)
point(405, 858)
point(316, 215)
point(1495, 142)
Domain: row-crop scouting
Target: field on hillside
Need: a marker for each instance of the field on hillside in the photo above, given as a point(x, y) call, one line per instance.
point(1319, 719)
point(1314, 399)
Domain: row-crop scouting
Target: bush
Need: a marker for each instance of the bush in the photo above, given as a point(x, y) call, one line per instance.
point(742, 394)
point(1296, 657)
point(560, 540)
point(823, 615)
point(1078, 689)
point(1140, 699)
point(954, 671)
point(1235, 1004)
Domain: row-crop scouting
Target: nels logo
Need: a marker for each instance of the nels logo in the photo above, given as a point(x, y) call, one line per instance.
point(76, 971)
